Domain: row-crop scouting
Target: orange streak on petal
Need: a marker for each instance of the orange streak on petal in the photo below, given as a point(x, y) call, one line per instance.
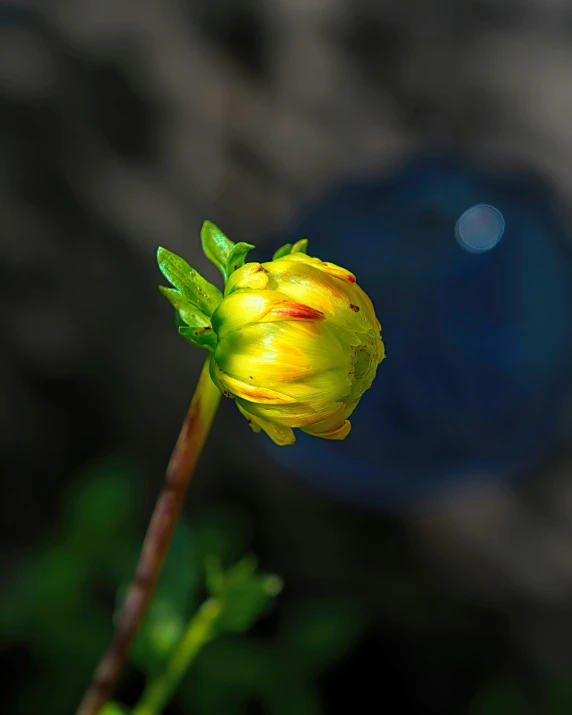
point(295, 311)
point(252, 393)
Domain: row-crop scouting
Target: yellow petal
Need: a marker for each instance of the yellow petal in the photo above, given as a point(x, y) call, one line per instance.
point(251, 393)
point(251, 275)
point(294, 415)
point(279, 434)
point(343, 301)
point(272, 354)
point(339, 432)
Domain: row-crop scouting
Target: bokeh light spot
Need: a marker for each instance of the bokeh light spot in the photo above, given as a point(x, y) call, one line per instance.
point(480, 228)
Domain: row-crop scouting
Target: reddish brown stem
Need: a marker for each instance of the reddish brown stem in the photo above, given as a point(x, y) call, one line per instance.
point(156, 545)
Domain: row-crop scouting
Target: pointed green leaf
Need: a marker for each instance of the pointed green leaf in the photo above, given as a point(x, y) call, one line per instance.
point(300, 246)
point(283, 251)
point(189, 313)
point(216, 246)
point(245, 594)
point(237, 257)
point(191, 285)
point(202, 337)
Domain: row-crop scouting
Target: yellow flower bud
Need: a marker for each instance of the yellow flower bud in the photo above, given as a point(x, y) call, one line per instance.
point(297, 345)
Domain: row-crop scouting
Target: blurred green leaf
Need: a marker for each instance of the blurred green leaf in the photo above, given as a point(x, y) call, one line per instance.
point(191, 285)
point(230, 670)
point(188, 313)
point(292, 697)
point(500, 698)
point(172, 603)
point(216, 246)
point(113, 709)
point(237, 257)
point(103, 500)
point(201, 337)
point(322, 632)
point(245, 595)
point(223, 533)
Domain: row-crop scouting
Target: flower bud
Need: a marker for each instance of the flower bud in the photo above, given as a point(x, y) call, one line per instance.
point(297, 345)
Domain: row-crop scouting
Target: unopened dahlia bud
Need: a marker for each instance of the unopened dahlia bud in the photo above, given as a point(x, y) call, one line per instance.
point(295, 342)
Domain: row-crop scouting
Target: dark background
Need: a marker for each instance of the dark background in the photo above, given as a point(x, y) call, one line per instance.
point(125, 124)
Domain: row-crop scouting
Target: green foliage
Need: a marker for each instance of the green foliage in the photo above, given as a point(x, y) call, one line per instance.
point(52, 603)
point(216, 246)
point(278, 673)
point(244, 594)
point(226, 255)
point(285, 250)
point(193, 324)
point(194, 298)
point(175, 596)
point(58, 604)
point(320, 632)
point(201, 337)
point(113, 709)
point(193, 288)
point(300, 246)
point(237, 257)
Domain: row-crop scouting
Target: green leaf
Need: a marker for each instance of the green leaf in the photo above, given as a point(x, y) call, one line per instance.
point(233, 663)
point(113, 709)
point(189, 313)
point(322, 632)
point(285, 250)
point(191, 285)
point(216, 246)
point(300, 246)
point(237, 257)
point(202, 337)
point(103, 503)
point(245, 595)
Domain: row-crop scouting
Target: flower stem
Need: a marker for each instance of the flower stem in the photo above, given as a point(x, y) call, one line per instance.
point(157, 540)
point(159, 691)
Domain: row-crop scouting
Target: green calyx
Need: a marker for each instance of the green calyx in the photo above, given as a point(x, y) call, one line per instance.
point(193, 297)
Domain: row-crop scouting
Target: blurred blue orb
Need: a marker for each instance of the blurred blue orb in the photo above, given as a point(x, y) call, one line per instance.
point(479, 352)
point(480, 228)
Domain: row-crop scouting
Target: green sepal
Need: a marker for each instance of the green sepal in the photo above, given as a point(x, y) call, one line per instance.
point(300, 246)
point(202, 337)
point(188, 313)
point(285, 250)
point(237, 257)
point(190, 284)
point(216, 246)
